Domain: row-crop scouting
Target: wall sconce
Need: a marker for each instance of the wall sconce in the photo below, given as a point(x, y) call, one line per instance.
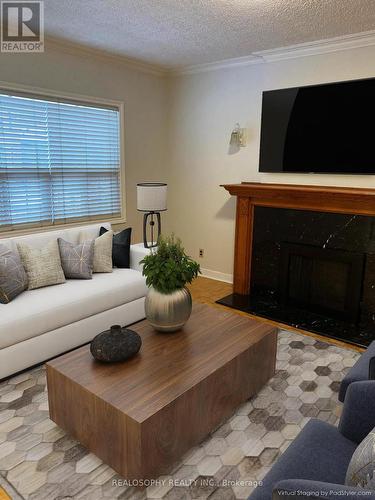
point(238, 136)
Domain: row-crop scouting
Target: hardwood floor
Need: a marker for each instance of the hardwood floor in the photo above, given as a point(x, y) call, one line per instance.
point(208, 291)
point(4, 495)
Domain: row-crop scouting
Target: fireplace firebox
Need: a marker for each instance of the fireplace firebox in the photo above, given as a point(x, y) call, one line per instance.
point(320, 280)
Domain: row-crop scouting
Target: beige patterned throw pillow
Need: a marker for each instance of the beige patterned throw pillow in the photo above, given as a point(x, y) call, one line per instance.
point(361, 469)
point(43, 266)
point(102, 252)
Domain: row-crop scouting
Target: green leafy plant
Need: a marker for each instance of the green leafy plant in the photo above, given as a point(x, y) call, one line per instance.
point(169, 268)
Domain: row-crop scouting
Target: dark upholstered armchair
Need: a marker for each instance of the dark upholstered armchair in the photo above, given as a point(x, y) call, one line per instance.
point(315, 464)
point(364, 369)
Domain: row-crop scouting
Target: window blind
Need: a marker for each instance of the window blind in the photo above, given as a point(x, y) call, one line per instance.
point(59, 162)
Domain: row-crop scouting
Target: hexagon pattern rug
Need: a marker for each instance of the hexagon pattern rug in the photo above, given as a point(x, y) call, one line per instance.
point(38, 461)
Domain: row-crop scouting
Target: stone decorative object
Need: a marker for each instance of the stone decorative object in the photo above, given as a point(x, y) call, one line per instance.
point(116, 344)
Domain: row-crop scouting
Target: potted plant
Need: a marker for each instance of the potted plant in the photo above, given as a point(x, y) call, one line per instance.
point(168, 269)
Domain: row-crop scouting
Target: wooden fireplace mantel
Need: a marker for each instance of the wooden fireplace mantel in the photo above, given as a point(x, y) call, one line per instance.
point(359, 201)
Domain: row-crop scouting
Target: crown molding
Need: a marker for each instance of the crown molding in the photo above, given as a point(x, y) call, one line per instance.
point(78, 49)
point(213, 66)
point(317, 47)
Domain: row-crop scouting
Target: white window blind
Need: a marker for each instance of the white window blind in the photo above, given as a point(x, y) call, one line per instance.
point(59, 162)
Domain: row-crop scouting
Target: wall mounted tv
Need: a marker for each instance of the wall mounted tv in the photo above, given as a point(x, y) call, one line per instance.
point(325, 128)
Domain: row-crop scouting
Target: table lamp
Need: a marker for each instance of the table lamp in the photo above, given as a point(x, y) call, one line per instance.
point(151, 199)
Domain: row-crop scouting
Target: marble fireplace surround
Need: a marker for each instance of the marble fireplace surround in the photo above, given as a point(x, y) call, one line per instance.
point(322, 199)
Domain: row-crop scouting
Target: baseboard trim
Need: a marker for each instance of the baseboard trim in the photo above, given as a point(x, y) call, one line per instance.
point(216, 275)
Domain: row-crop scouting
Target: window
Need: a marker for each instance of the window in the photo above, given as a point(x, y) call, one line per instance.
point(59, 161)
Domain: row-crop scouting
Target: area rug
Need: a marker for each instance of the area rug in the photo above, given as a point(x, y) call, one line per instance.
point(40, 462)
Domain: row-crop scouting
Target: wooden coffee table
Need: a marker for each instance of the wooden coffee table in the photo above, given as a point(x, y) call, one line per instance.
point(142, 415)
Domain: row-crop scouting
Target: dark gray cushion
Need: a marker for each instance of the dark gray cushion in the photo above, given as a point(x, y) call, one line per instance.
point(121, 247)
point(319, 453)
point(360, 371)
point(77, 260)
point(13, 277)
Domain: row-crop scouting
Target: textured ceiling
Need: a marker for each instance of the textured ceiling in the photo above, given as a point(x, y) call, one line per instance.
point(174, 33)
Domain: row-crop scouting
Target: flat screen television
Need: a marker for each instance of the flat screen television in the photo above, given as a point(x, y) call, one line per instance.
point(325, 128)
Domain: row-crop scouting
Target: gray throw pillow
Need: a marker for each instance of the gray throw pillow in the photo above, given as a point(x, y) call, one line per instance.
point(13, 277)
point(77, 260)
point(361, 469)
point(43, 266)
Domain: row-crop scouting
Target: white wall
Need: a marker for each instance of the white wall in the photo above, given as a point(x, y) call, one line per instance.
point(203, 110)
point(144, 96)
point(178, 130)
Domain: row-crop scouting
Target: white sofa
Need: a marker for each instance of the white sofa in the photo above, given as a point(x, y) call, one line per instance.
point(40, 324)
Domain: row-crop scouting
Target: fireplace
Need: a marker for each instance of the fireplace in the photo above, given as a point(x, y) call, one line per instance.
point(307, 263)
